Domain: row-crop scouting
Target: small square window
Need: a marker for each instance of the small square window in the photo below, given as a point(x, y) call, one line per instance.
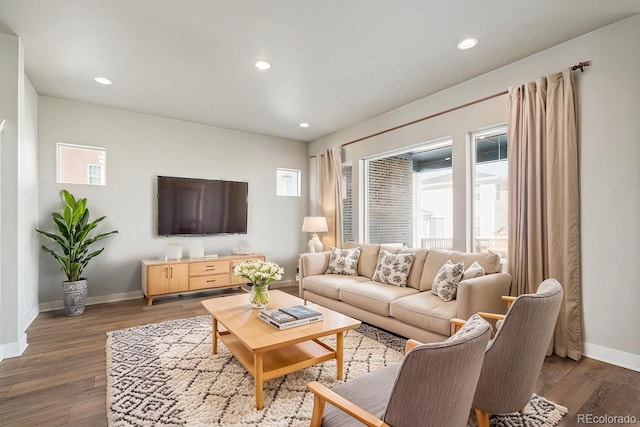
point(288, 182)
point(79, 164)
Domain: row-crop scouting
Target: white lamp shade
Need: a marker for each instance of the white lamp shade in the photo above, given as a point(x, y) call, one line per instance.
point(315, 224)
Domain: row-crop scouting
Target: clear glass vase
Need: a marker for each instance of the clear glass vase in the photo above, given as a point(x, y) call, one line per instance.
point(259, 296)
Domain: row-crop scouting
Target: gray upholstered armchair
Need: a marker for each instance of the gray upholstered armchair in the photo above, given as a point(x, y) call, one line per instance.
point(515, 355)
point(432, 386)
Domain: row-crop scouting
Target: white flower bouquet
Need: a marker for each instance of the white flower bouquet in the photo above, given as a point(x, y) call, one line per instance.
point(260, 274)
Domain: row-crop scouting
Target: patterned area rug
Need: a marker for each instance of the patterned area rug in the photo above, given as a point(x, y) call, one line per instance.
point(165, 374)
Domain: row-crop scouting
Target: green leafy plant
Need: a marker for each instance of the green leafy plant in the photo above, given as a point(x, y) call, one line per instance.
point(73, 236)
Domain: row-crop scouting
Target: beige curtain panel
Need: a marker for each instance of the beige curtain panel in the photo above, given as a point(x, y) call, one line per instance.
point(330, 196)
point(544, 199)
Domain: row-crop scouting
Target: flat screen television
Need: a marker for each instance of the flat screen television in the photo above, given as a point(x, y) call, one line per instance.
point(191, 206)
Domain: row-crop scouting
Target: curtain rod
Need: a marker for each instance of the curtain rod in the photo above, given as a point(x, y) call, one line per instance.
point(580, 66)
point(468, 104)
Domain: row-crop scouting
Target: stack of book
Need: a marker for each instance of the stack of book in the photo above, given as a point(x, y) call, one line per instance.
point(289, 317)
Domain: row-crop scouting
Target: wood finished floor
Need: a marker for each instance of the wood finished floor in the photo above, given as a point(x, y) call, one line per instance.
point(60, 380)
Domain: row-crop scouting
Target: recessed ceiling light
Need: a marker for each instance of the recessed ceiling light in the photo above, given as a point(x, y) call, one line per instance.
point(262, 64)
point(103, 80)
point(467, 44)
point(304, 125)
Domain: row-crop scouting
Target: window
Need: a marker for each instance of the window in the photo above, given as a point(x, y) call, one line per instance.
point(409, 197)
point(490, 181)
point(347, 203)
point(288, 182)
point(79, 164)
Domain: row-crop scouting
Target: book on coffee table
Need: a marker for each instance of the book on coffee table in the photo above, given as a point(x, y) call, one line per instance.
point(289, 317)
point(300, 311)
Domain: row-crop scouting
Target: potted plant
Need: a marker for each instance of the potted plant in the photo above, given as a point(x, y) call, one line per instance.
point(74, 238)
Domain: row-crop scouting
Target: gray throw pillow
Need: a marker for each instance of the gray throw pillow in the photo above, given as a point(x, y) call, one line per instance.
point(393, 269)
point(474, 270)
point(344, 261)
point(445, 285)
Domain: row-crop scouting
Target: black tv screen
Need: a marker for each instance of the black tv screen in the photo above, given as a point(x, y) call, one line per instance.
point(201, 206)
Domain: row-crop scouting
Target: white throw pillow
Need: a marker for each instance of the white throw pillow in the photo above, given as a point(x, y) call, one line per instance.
point(393, 269)
point(344, 261)
point(474, 270)
point(445, 285)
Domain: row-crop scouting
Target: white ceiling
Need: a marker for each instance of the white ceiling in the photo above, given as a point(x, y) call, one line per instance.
point(335, 62)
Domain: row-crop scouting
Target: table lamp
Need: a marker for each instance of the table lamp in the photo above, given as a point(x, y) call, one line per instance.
point(315, 225)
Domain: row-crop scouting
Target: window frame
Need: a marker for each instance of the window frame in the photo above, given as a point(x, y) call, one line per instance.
point(473, 137)
point(433, 144)
point(298, 185)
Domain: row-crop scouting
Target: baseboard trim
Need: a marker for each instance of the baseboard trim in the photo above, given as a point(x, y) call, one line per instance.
point(613, 356)
point(14, 349)
point(283, 284)
point(59, 305)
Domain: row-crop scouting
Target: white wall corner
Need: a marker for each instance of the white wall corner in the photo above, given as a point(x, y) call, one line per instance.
point(14, 349)
point(31, 315)
point(611, 355)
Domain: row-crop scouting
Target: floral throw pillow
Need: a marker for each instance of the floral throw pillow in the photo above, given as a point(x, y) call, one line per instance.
point(445, 285)
point(344, 261)
point(393, 268)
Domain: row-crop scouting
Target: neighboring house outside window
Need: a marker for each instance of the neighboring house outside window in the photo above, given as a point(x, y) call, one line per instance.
point(81, 164)
point(95, 174)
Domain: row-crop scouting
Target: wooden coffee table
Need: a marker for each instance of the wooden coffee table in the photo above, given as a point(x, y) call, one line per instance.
point(267, 352)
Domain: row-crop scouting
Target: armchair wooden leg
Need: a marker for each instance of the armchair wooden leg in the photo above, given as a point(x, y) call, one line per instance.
point(482, 417)
point(318, 411)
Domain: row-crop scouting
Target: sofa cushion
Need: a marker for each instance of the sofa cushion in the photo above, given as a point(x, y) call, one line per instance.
point(413, 281)
point(344, 261)
point(368, 257)
point(437, 257)
point(425, 311)
point(445, 285)
point(393, 269)
point(373, 296)
point(474, 270)
point(329, 285)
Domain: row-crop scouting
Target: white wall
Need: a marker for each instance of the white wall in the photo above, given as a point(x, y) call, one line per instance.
point(18, 196)
point(609, 130)
point(140, 147)
point(28, 242)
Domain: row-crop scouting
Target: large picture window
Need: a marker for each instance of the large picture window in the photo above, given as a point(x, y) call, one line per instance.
point(409, 197)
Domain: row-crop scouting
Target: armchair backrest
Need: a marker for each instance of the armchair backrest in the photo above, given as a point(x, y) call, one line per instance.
point(515, 356)
point(435, 383)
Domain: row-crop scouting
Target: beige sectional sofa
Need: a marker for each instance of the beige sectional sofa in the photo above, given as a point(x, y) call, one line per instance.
point(412, 311)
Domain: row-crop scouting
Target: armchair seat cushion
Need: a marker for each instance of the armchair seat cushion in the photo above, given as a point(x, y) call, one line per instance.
point(329, 285)
point(426, 311)
point(370, 392)
point(372, 296)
